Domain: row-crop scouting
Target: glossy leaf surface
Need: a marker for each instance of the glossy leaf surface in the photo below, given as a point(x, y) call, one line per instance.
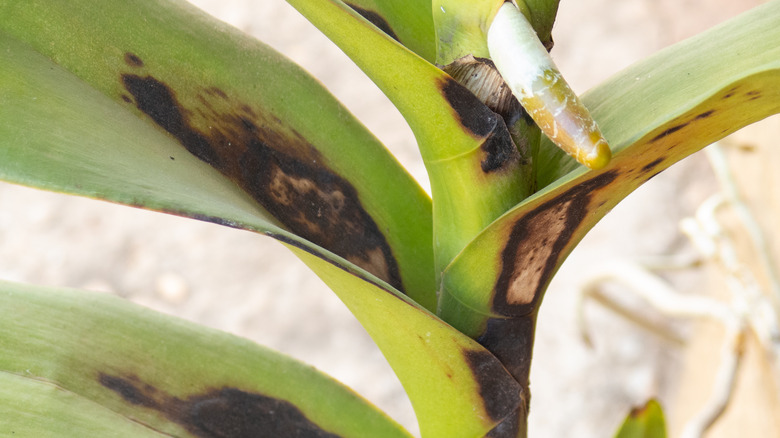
point(76, 364)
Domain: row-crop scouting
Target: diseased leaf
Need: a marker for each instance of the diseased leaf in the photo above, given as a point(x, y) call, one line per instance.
point(76, 364)
point(474, 167)
point(457, 388)
point(645, 422)
point(167, 84)
point(654, 114)
point(408, 22)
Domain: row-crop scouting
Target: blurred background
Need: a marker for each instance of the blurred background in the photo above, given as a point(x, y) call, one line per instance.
point(251, 286)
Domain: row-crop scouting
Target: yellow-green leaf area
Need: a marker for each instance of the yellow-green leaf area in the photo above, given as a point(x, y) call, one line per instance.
point(644, 422)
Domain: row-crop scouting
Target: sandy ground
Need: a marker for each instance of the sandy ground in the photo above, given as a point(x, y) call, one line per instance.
point(249, 285)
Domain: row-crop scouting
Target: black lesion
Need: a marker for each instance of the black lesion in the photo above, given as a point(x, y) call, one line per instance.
point(156, 100)
point(220, 413)
point(652, 165)
point(705, 114)
point(474, 115)
point(375, 19)
point(568, 210)
point(499, 150)
point(276, 166)
point(500, 393)
point(318, 205)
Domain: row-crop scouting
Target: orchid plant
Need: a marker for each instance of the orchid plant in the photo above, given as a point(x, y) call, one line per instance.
point(156, 105)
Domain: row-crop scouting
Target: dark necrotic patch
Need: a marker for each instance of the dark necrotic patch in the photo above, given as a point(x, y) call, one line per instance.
point(278, 168)
point(375, 19)
point(498, 149)
point(547, 228)
point(500, 393)
point(222, 413)
point(705, 114)
point(133, 60)
point(671, 130)
point(651, 165)
point(232, 413)
point(319, 205)
point(158, 102)
point(509, 427)
point(471, 112)
point(130, 389)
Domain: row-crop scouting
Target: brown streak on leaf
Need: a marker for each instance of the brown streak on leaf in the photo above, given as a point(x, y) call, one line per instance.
point(501, 394)
point(274, 164)
point(219, 413)
point(534, 246)
point(375, 19)
point(498, 149)
point(133, 60)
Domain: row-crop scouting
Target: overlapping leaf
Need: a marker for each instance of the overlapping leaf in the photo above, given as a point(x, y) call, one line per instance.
point(150, 106)
point(473, 166)
point(79, 364)
point(654, 114)
point(408, 22)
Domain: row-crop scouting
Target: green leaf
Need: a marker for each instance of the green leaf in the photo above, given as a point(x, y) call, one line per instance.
point(654, 114)
point(645, 422)
point(457, 388)
point(461, 28)
point(76, 364)
point(156, 105)
point(474, 169)
point(408, 22)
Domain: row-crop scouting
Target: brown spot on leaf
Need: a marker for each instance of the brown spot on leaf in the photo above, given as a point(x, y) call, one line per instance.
point(510, 427)
point(480, 77)
point(500, 393)
point(133, 60)
point(220, 413)
point(511, 340)
point(131, 389)
point(666, 132)
point(651, 165)
point(375, 19)
point(474, 115)
point(273, 163)
point(156, 100)
point(498, 148)
point(535, 243)
point(705, 114)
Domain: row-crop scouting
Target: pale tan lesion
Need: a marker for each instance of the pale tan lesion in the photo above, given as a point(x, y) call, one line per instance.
point(533, 253)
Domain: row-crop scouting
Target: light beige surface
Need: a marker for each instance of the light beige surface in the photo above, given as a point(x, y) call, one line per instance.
point(249, 285)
